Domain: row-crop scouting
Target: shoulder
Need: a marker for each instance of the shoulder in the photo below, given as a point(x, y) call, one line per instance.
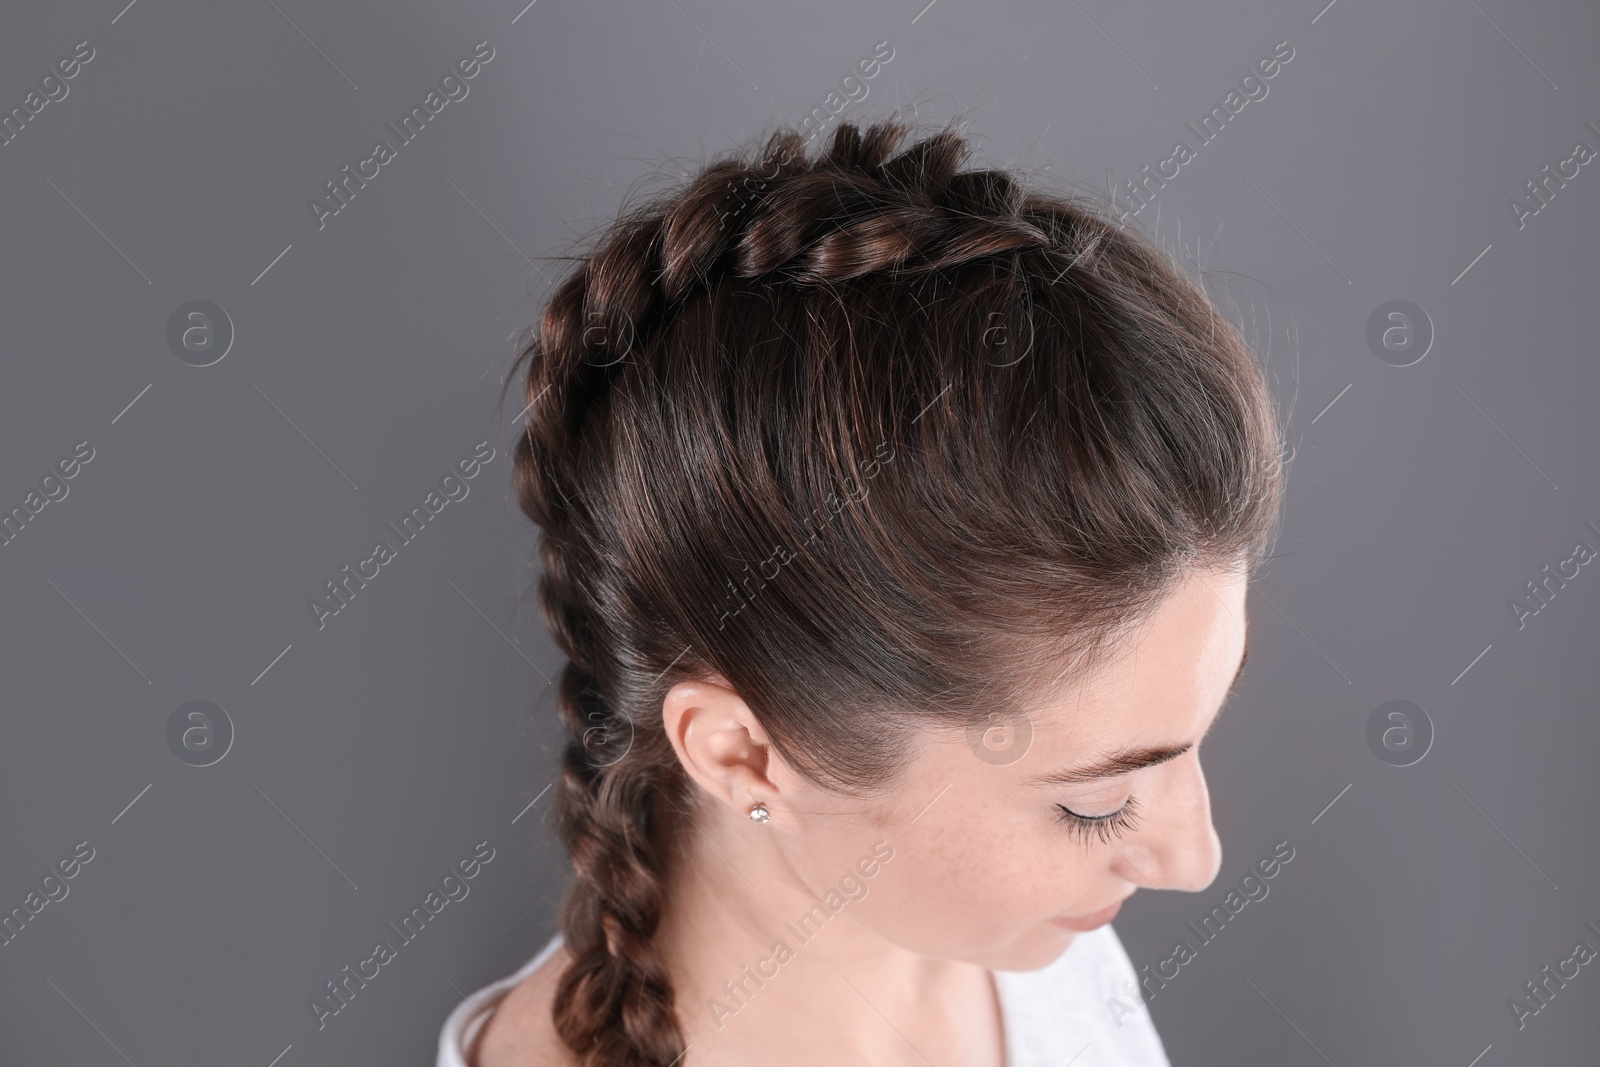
point(519, 1030)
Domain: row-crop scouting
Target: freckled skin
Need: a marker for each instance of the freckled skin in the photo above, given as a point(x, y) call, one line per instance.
point(976, 875)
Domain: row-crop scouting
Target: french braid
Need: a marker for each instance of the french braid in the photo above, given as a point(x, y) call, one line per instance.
point(647, 475)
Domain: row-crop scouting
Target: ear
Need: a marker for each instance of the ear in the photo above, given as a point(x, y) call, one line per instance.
point(722, 746)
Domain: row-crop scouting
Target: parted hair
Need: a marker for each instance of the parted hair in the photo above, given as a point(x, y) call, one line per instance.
point(881, 443)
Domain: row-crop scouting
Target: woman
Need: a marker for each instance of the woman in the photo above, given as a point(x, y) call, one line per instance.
point(897, 524)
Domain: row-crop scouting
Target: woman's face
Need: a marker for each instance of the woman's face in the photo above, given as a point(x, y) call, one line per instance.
point(985, 866)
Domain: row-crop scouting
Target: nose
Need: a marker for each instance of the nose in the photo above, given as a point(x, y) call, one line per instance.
point(1176, 847)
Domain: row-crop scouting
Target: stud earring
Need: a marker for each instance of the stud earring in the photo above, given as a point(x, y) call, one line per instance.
point(759, 813)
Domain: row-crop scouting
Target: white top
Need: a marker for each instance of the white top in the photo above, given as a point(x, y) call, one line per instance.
point(1082, 1010)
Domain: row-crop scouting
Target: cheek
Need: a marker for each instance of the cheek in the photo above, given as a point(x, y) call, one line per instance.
point(965, 889)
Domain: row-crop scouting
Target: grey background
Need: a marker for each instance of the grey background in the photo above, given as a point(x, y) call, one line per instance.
point(408, 729)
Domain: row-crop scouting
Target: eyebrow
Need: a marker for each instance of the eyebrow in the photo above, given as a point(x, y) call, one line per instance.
point(1138, 759)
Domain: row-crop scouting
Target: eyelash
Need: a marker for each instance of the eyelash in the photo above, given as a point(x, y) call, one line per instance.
point(1105, 827)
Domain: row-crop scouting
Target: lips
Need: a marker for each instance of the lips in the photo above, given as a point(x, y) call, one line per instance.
point(1090, 921)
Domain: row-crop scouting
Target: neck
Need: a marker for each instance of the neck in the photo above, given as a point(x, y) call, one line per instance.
point(758, 956)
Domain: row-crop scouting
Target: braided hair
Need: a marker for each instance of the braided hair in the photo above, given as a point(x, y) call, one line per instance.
point(873, 439)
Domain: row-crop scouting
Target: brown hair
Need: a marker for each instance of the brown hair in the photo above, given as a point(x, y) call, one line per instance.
point(875, 440)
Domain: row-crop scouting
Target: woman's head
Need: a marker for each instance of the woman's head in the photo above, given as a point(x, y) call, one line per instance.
point(860, 474)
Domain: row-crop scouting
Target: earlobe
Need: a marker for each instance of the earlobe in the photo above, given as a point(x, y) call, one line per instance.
point(720, 743)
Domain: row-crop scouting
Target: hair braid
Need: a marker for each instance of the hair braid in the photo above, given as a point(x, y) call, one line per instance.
point(631, 583)
point(613, 1004)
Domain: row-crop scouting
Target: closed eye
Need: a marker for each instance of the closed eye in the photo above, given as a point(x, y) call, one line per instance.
point(1104, 827)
